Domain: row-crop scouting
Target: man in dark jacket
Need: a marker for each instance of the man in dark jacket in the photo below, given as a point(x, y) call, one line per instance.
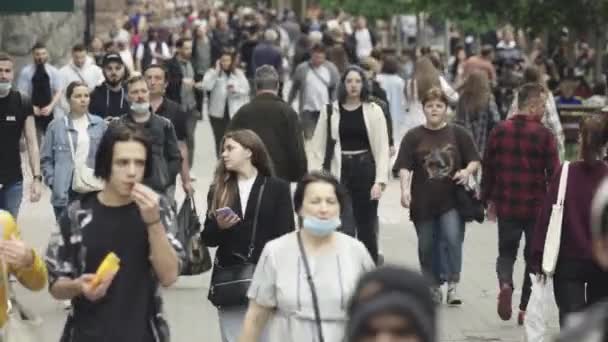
point(166, 156)
point(277, 125)
point(267, 53)
point(110, 98)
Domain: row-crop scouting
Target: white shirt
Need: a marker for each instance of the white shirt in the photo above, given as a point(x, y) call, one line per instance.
point(245, 186)
point(316, 94)
point(82, 149)
point(364, 43)
point(164, 50)
point(90, 74)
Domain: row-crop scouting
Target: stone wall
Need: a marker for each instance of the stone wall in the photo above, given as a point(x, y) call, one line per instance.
point(59, 31)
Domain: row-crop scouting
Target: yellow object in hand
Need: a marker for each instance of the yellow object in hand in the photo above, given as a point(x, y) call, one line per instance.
point(7, 224)
point(110, 264)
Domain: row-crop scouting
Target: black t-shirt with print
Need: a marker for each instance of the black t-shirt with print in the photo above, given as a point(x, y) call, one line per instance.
point(123, 314)
point(434, 156)
point(14, 110)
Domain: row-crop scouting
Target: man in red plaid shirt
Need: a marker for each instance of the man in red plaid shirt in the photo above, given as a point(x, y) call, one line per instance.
point(519, 160)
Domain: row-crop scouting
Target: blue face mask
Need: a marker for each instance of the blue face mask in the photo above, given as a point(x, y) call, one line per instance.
point(320, 227)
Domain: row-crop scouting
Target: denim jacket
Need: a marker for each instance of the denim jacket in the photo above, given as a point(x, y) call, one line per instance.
point(56, 160)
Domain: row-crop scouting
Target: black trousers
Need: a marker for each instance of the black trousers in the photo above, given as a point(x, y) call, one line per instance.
point(219, 126)
point(190, 135)
point(509, 236)
point(578, 284)
point(358, 176)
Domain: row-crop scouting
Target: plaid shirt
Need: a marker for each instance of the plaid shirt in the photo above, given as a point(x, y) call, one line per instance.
point(519, 161)
point(66, 258)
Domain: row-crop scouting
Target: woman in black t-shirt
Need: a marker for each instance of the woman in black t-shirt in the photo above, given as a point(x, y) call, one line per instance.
point(360, 157)
point(433, 159)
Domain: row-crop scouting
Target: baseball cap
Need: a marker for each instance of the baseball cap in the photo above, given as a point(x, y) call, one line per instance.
point(111, 57)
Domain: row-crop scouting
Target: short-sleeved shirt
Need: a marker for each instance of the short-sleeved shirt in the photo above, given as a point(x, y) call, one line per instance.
point(435, 156)
point(280, 282)
point(14, 110)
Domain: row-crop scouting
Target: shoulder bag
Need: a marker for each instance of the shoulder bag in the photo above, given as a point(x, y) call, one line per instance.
point(229, 285)
point(554, 230)
point(83, 180)
point(19, 327)
point(330, 141)
point(313, 290)
point(198, 259)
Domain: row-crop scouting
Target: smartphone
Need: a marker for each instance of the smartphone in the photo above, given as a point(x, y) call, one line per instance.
point(225, 211)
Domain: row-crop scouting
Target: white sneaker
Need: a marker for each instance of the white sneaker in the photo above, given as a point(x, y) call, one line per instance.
point(453, 297)
point(437, 295)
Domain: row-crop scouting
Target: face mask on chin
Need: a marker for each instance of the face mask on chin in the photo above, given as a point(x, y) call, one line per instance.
point(319, 227)
point(143, 107)
point(5, 88)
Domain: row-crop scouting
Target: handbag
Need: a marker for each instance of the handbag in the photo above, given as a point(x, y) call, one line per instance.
point(313, 290)
point(229, 285)
point(83, 180)
point(18, 328)
point(198, 259)
point(468, 205)
point(554, 230)
point(331, 143)
point(538, 312)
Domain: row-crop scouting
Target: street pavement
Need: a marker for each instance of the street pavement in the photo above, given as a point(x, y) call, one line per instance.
point(193, 318)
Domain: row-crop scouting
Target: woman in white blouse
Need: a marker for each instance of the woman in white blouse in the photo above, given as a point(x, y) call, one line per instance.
point(229, 91)
point(280, 289)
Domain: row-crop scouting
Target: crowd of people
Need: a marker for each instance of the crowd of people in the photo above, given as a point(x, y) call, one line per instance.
point(313, 103)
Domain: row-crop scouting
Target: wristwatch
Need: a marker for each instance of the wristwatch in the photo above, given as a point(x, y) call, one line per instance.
point(38, 178)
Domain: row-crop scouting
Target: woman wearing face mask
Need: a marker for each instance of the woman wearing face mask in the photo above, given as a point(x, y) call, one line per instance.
point(229, 91)
point(244, 194)
point(433, 160)
point(57, 160)
point(280, 289)
point(361, 154)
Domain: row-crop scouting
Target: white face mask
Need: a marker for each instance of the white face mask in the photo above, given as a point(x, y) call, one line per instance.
point(143, 107)
point(5, 88)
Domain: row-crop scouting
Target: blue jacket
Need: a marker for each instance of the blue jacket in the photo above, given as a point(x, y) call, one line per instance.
point(56, 159)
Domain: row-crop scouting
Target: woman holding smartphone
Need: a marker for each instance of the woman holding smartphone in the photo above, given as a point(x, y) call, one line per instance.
point(244, 190)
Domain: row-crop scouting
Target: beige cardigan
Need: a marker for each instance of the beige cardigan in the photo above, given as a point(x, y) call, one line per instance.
point(376, 131)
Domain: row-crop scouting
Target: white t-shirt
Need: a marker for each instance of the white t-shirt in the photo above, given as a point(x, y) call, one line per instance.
point(364, 43)
point(316, 95)
point(164, 50)
point(245, 186)
point(82, 149)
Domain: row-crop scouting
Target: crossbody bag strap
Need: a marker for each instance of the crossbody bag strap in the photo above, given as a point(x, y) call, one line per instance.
point(313, 291)
point(255, 221)
point(70, 142)
point(563, 184)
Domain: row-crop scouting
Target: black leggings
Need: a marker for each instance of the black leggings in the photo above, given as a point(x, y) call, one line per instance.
point(219, 126)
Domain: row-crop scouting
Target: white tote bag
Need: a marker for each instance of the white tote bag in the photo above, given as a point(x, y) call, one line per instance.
point(539, 307)
point(554, 230)
point(83, 180)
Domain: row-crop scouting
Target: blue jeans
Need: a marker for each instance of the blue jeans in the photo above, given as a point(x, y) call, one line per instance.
point(10, 197)
point(440, 242)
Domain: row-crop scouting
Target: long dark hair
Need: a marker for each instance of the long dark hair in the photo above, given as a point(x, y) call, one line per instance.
point(225, 187)
point(365, 91)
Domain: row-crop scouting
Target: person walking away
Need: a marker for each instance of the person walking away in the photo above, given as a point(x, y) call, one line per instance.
point(578, 281)
point(124, 305)
point(520, 159)
point(152, 51)
point(394, 86)
point(425, 77)
point(434, 160)
point(279, 290)
point(550, 117)
point(315, 82)
point(259, 210)
point(276, 123)
point(476, 110)
point(482, 62)
point(360, 157)
point(41, 82)
point(229, 92)
point(267, 53)
point(165, 156)
point(181, 89)
point(81, 68)
point(156, 78)
point(16, 120)
point(62, 153)
point(109, 100)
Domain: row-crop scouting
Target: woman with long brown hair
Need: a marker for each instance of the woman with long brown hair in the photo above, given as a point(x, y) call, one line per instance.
point(476, 109)
point(425, 77)
point(247, 207)
point(578, 280)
